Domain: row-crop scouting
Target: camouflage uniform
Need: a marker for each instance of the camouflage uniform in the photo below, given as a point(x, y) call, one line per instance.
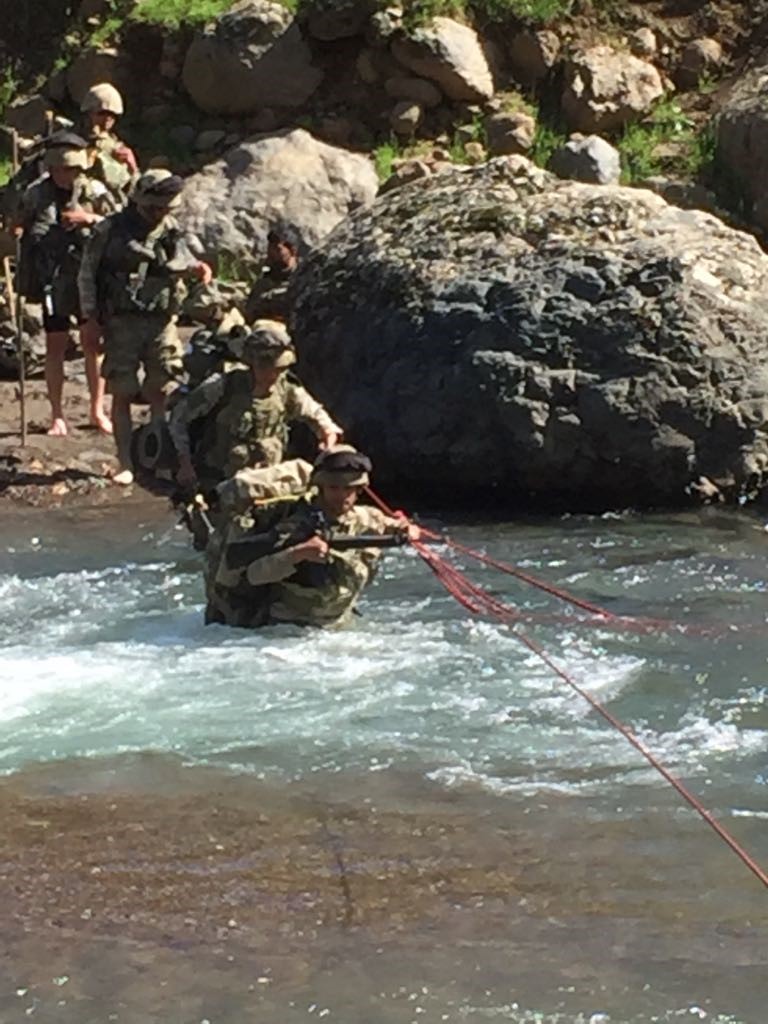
point(52, 253)
point(113, 171)
point(256, 486)
point(105, 167)
point(273, 589)
point(269, 296)
point(129, 281)
point(241, 430)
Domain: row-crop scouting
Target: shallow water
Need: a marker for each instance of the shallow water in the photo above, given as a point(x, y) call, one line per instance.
point(504, 854)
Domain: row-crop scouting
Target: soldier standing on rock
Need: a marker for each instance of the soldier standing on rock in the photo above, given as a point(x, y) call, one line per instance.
point(268, 299)
point(130, 282)
point(111, 161)
point(246, 411)
point(57, 214)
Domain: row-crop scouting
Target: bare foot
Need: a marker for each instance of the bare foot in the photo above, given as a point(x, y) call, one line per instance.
point(102, 422)
point(124, 478)
point(58, 428)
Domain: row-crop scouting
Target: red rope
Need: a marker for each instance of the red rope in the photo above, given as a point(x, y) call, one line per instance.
point(478, 601)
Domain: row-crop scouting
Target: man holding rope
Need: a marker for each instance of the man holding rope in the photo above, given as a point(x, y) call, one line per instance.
point(299, 576)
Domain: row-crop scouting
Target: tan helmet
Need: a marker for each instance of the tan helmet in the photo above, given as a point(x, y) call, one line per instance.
point(66, 149)
point(158, 187)
point(265, 342)
point(102, 97)
point(342, 465)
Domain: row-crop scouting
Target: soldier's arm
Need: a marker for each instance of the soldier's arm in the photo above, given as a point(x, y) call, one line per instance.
point(372, 520)
point(87, 278)
point(38, 216)
point(302, 406)
point(198, 403)
point(185, 261)
point(281, 565)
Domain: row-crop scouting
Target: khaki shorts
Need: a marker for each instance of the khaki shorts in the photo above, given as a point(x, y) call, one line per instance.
point(140, 340)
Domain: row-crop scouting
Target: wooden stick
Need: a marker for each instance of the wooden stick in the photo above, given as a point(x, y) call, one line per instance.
point(17, 306)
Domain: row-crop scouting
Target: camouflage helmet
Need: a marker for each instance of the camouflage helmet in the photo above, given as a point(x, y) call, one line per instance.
point(265, 343)
point(66, 149)
point(342, 465)
point(158, 187)
point(102, 97)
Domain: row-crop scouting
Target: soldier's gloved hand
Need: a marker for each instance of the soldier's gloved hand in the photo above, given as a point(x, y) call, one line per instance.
point(313, 550)
point(186, 476)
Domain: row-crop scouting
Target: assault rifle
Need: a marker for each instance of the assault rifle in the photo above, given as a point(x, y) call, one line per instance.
point(241, 553)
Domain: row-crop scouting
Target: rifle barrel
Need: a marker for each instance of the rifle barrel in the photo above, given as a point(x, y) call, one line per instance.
point(241, 553)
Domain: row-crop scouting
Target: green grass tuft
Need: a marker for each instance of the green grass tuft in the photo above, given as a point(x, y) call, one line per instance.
point(6, 170)
point(539, 12)
point(641, 144)
point(547, 138)
point(173, 13)
point(9, 88)
point(383, 157)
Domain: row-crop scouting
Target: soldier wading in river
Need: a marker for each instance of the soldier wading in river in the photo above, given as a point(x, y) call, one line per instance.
point(130, 281)
point(281, 566)
point(242, 415)
point(57, 214)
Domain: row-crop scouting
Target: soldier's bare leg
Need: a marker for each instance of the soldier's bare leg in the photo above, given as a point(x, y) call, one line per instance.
point(156, 399)
point(56, 344)
point(90, 339)
point(123, 428)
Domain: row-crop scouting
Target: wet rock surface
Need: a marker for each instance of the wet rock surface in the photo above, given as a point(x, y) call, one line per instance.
point(565, 344)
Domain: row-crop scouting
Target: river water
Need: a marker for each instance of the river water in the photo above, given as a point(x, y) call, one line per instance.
point(411, 819)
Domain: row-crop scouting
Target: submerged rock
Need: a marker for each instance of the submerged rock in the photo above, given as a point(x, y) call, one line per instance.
point(567, 344)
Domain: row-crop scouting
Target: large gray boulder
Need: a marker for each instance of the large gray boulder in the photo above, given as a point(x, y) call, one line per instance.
point(742, 140)
point(290, 177)
point(450, 54)
point(252, 56)
point(606, 89)
point(568, 345)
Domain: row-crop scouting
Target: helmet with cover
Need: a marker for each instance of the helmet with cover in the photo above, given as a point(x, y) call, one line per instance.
point(158, 187)
point(102, 98)
point(264, 343)
point(343, 466)
point(66, 149)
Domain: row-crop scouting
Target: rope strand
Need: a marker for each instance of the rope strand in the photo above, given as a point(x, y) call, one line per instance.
point(479, 601)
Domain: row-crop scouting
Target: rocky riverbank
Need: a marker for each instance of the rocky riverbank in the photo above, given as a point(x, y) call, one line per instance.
point(637, 123)
point(51, 471)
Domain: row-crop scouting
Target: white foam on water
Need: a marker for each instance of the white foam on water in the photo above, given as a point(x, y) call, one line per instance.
point(117, 658)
